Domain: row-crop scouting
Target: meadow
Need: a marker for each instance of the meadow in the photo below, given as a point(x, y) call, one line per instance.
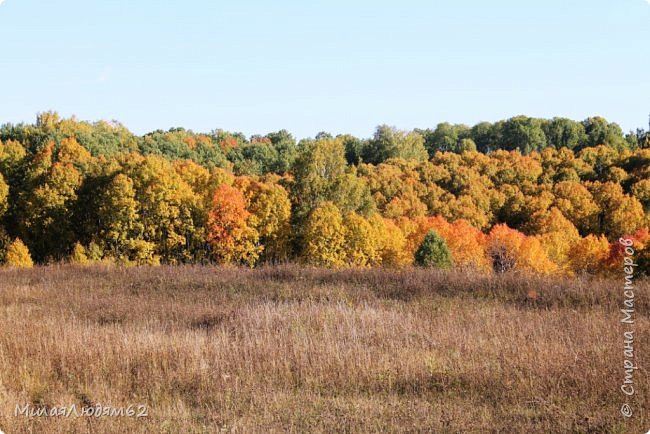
point(300, 349)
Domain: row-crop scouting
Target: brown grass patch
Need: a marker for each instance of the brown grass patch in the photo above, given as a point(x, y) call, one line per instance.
point(292, 349)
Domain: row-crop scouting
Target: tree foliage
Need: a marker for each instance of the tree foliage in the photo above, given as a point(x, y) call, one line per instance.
point(433, 252)
point(522, 195)
point(232, 238)
point(17, 255)
point(325, 237)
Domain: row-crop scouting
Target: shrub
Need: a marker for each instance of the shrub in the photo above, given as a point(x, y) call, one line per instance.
point(18, 255)
point(94, 252)
point(78, 255)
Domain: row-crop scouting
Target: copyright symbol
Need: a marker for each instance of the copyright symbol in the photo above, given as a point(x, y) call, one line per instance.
point(626, 410)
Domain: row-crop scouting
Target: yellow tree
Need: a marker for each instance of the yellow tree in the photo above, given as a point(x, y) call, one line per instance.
point(391, 241)
point(270, 216)
point(589, 255)
point(620, 213)
point(362, 243)
point(46, 209)
point(407, 204)
point(78, 255)
point(203, 183)
point(396, 187)
point(465, 207)
point(324, 237)
point(509, 249)
point(556, 235)
point(533, 257)
point(12, 154)
point(641, 190)
point(4, 196)
point(167, 207)
point(17, 255)
point(600, 158)
point(194, 175)
point(577, 204)
point(120, 232)
point(71, 152)
point(515, 168)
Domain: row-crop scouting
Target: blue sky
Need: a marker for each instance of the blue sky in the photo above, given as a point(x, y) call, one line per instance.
point(337, 66)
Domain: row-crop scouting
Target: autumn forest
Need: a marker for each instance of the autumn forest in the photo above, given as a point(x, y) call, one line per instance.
point(550, 196)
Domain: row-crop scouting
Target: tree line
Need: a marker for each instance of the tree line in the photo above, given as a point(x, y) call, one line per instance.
point(550, 196)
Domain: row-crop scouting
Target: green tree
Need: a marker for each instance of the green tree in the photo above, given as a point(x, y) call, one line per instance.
point(600, 132)
point(523, 133)
point(286, 149)
point(486, 136)
point(565, 133)
point(388, 142)
point(321, 174)
point(447, 138)
point(353, 148)
point(433, 252)
point(255, 158)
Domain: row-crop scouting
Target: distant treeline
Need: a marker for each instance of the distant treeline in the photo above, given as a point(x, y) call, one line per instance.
point(524, 194)
point(275, 152)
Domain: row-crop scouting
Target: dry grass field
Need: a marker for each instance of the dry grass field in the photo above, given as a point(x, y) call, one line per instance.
point(291, 349)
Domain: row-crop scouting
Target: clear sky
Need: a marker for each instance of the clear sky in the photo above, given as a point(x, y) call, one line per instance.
point(339, 66)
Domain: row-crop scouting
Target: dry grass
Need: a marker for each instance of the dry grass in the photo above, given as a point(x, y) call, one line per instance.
point(290, 349)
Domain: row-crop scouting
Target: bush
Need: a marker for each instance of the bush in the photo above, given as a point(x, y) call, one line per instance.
point(78, 255)
point(18, 255)
point(433, 252)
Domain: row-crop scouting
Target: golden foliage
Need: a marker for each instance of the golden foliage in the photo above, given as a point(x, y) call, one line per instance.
point(588, 255)
point(362, 245)
point(178, 200)
point(17, 255)
point(78, 256)
point(466, 243)
point(511, 250)
point(556, 235)
point(270, 215)
point(324, 237)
